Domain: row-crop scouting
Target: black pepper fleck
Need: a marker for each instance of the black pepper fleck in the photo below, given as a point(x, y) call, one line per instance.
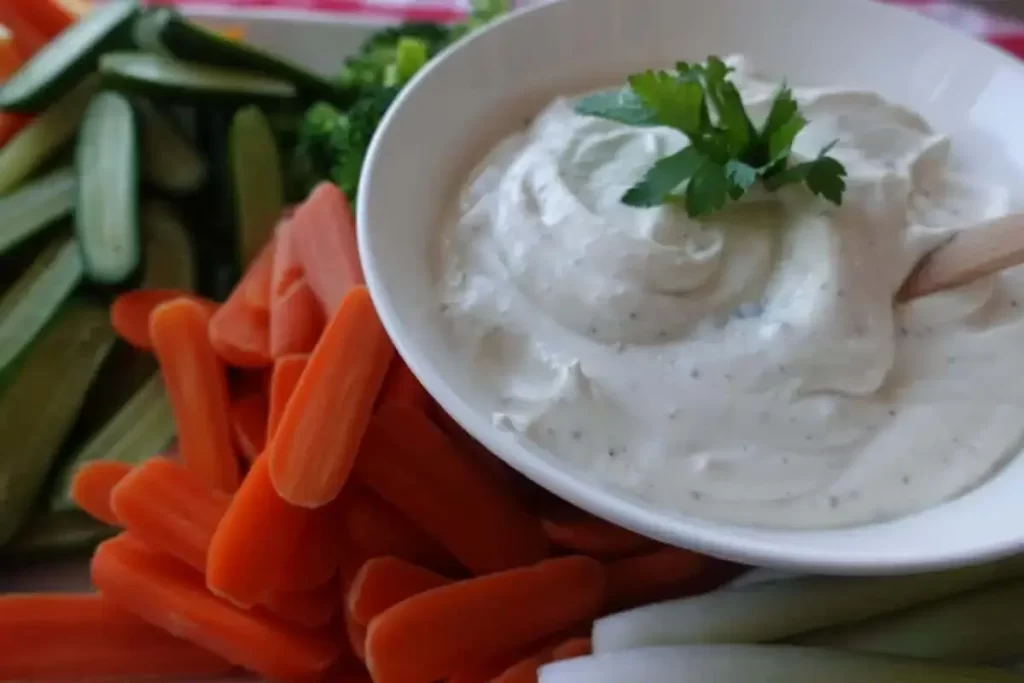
point(696, 495)
point(633, 316)
point(892, 412)
point(1013, 303)
point(906, 479)
point(612, 452)
point(577, 435)
point(695, 373)
point(662, 334)
point(593, 331)
point(833, 502)
point(444, 308)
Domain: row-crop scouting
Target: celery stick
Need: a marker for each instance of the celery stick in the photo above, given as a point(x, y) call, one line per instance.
point(778, 610)
point(760, 664)
point(40, 403)
point(57, 534)
point(37, 295)
point(979, 627)
point(26, 212)
point(142, 428)
point(29, 150)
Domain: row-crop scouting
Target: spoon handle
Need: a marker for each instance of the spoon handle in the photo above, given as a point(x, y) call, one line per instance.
point(971, 254)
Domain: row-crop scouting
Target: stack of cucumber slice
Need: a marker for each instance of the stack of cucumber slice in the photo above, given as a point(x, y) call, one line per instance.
point(107, 189)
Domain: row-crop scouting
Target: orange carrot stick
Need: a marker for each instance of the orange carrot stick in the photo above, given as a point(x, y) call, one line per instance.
point(401, 386)
point(485, 671)
point(323, 231)
point(356, 633)
point(249, 424)
point(170, 595)
point(169, 509)
point(525, 671)
point(411, 464)
point(251, 550)
point(92, 485)
point(11, 125)
point(197, 386)
point(71, 637)
point(428, 636)
point(296, 315)
point(27, 37)
point(310, 608)
point(129, 314)
point(240, 330)
point(49, 17)
point(10, 58)
point(375, 528)
point(662, 575)
point(296, 320)
point(383, 582)
point(576, 531)
point(313, 450)
point(287, 372)
point(318, 552)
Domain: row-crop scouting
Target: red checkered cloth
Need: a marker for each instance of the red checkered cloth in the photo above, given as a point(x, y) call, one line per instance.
point(968, 17)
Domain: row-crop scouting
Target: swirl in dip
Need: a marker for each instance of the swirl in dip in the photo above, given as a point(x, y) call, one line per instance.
point(750, 367)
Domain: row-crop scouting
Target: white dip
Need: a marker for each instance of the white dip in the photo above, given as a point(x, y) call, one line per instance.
point(749, 368)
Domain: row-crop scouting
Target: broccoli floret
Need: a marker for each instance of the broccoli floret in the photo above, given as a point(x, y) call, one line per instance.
point(332, 142)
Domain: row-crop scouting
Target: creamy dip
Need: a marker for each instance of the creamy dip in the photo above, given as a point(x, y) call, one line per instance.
point(750, 367)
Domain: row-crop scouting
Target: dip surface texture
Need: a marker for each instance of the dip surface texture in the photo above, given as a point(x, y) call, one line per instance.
point(749, 367)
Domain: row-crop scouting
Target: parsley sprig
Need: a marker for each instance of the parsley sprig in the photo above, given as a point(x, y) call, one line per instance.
point(727, 154)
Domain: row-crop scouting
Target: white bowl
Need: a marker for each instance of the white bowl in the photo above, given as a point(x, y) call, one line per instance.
point(481, 90)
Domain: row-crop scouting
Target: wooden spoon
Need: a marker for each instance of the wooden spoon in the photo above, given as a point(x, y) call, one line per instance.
point(971, 254)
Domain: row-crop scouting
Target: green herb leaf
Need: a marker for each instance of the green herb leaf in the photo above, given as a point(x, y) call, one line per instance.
point(827, 178)
point(622, 106)
point(664, 178)
point(727, 155)
point(708, 190)
point(674, 101)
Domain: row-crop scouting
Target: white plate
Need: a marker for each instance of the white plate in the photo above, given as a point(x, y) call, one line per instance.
point(461, 104)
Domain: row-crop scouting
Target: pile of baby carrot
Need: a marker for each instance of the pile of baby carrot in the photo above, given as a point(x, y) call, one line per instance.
point(320, 519)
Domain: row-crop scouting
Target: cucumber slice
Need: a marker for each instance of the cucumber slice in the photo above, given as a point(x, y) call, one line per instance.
point(40, 403)
point(33, 147)
point(157, 76)
point(169, 161)
point(68, 58)
point(27, 211)
point(107, 215)
point(170, 254)
point(142, 428)
point(256, 180)
point(164, 31)
point(36, 297)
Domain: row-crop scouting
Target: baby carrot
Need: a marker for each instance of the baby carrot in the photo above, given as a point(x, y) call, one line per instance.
point(662, 575)
point(318, 551)
point(410, 463)
point(240, 330)
point(75, 637)
point(92, 484)
point(168, 508)
point(249, 424)
point(384, 582)
point(10, 58)
point(485, 671)
point(323, 231)
point(129, 314)
point(252, 549)
point(296, 315)
point(310, 608)
point(356, 633)
point(401, 386)
point(525, 671)
point(576, 531)
point(197, 385)
point(172, 596)
point(26, 36)
point(313, 450)
point(376, 529)
point(287, 371)
point(428, 636)
point(49, 17)
point(10, 125)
